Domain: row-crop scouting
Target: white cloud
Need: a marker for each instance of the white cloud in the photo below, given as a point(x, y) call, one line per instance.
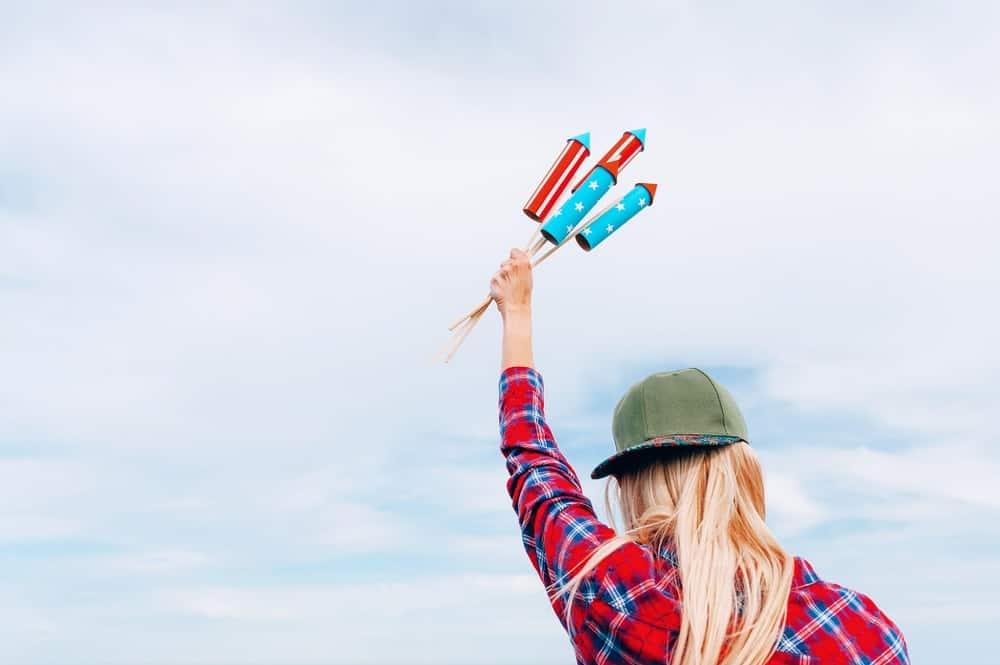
point(351, 619)
point(159, 561)
point(240, 239)
point(952, 473)
point(385, 598)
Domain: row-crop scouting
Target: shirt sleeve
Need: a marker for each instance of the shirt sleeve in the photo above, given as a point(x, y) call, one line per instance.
point(558, 525)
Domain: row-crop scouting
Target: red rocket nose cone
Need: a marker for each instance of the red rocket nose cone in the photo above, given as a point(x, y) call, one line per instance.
point(651, 188)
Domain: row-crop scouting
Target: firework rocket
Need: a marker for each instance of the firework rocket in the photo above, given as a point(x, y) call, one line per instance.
point(558, 178)
point(630, 205)
point(593, 186)
point(558, 223)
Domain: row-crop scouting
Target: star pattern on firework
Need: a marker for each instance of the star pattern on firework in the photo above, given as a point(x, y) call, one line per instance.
point(557, 212)
point(587, 231)
point(610, 228)
point(642, 202)
point(579, 207)
point(592, 184)
point(620, 207)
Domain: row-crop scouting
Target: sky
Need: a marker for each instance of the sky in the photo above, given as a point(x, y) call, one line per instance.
point(232, 240)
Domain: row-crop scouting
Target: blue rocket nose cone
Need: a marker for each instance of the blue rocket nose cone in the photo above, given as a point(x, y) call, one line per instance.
point(584, 139)
point(639, 134)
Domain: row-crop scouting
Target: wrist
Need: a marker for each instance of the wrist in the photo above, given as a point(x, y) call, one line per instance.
point(517, 313)
point(517, 337)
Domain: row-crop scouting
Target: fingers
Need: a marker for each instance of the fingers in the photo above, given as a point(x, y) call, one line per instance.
point(496, 288)
point(518, 262)
point(518, 258)
point(511, 284)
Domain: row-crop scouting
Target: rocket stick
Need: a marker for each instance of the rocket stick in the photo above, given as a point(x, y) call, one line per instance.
point(454, 342)
point(468, 315)
point(473, 320)
point(534, 235)
point(465, 333)
point(465, 327)
point(549, 253)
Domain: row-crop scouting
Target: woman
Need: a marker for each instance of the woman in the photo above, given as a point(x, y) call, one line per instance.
point(695, 578)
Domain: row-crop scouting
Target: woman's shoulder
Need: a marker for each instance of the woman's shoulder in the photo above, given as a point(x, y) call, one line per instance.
point(639, 580)
point(827, 620)
point(635, 614)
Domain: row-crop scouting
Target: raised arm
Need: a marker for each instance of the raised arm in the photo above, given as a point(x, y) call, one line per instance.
point(511, 290)
point(558, 524)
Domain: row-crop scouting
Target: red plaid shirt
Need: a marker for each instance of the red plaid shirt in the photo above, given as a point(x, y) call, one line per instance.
point(629, 610)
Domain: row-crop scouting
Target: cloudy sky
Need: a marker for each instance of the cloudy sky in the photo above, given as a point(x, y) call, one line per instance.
point(231, 241)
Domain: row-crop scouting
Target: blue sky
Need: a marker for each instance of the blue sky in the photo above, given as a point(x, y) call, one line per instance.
point(231, 241)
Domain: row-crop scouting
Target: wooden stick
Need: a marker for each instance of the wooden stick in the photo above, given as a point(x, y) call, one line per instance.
point(465, 333)
point(537, 246)
point(544, 256)
point(462, 331)
point(484, 303)
point(534, 233)
point(444, 350)
point(556, 248)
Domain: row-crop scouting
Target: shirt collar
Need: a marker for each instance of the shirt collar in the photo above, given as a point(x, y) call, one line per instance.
point(804, 574)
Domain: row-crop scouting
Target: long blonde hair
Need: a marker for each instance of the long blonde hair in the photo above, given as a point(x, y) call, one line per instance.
point(708, 503)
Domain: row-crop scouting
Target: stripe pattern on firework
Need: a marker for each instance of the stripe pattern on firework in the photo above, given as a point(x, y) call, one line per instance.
point(558, 178)
point(621, 153)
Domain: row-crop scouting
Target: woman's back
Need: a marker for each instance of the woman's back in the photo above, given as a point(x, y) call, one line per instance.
point(635, 616)
point(629, 607)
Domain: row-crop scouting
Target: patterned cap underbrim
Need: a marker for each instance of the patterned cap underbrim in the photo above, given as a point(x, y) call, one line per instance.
point(611, 464)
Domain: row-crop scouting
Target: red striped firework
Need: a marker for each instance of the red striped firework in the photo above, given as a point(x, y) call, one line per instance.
point(558, 178)
point(624, 151)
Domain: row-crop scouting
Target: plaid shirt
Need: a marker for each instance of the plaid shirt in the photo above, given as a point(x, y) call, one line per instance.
point(629, 610)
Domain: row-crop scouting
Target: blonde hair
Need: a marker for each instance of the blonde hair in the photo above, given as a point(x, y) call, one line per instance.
point(708, 504)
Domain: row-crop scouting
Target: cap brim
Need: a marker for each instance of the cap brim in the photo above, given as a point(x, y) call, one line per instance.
point(636, 455)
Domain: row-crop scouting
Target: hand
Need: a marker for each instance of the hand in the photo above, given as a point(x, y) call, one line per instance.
point(511, 285)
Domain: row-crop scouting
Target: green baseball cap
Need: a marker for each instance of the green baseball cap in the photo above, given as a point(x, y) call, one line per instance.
point(685, 407)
